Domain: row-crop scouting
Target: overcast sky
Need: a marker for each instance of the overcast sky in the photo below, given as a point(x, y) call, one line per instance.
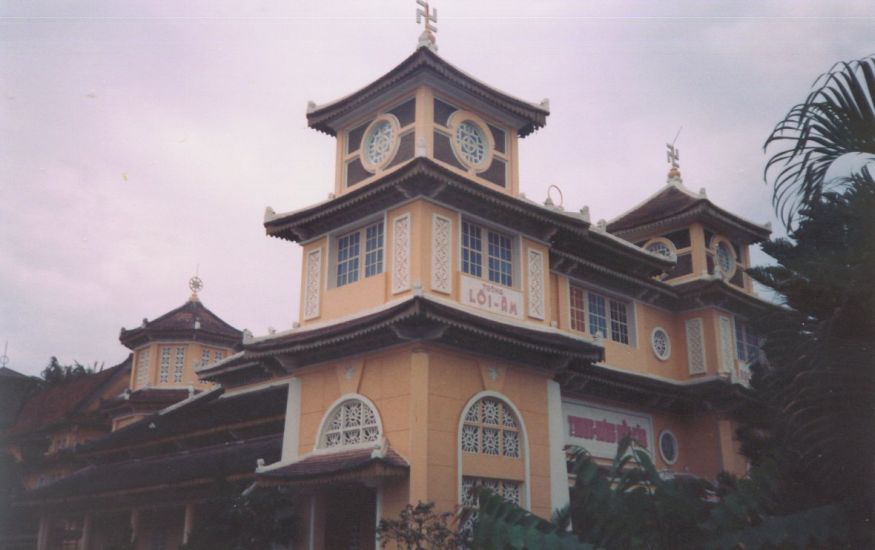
point(139, 140)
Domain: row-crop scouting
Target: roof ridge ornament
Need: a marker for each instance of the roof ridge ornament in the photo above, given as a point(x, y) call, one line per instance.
point(427, 39)
point(196, 285)
point(673, 156)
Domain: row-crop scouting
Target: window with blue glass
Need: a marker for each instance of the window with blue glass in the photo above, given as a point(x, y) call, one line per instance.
point(349, 251)
point(747, 344)
point(498, 257)
point(604, 312)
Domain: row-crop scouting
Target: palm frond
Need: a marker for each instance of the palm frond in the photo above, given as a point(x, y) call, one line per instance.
point(836, 119)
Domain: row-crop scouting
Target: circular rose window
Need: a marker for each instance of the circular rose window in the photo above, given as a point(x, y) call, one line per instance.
point(659, 248)
point(725, 258)
point(661, 343)
point(668, 447)
point(471, 143)
point(378, 143)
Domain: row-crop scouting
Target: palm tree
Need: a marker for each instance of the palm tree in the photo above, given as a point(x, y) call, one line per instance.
point(836, 121)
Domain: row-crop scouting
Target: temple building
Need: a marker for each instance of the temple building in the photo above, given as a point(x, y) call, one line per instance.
point(451, 332)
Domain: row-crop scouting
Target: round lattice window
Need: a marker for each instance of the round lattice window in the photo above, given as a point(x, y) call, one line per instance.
point(661, 343)
point(659, 247)
point(350, 423)
point(379, 142)
point(725, 258)
point(471, 141)
point(668, 447)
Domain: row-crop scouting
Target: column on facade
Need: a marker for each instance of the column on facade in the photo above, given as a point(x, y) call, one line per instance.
point(188, 523)
point(87, 527)
point(42, 537)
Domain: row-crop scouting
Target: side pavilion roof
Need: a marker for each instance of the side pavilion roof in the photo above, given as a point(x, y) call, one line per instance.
point(675, 204)
point(190, 321)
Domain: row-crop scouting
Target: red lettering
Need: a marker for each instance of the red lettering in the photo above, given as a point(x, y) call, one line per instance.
point(581, 427)
point(513, 308)
point(481, 297)
point(605, 431)
point(639, 434)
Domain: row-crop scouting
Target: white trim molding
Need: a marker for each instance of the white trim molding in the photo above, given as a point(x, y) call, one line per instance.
point(292, 428)
point(560, 495)
point(330, 409)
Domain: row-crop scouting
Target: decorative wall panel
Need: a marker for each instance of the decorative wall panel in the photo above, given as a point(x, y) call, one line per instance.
point(536, 283)
point(401, 254)
point(727, 362)
point(313, 284)
point(696, 346)
point(441, 254)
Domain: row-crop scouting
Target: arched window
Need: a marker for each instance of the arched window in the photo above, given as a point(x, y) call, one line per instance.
point(491, 428)
point(350, 422)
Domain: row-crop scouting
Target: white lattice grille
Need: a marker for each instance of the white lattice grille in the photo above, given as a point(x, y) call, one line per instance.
point(179, 364)
point(659, 248)
point(143, 357)
point(661, 344)
point(350, 423)
point(507, 489)
point(164, 365)
point(490, 428)
point(378, 143)
point(471, 141)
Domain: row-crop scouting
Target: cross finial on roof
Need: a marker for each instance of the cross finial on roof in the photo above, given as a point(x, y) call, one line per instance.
point(429, 16)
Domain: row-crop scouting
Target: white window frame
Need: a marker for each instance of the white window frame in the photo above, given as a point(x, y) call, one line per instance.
point(318, 447)
point(361, 269)
point(485, 231)
point(741, 326)
point(525, 489)
point(629, 305)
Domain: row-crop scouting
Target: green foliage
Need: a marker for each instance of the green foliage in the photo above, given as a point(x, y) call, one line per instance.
point(836, 119)
point(55, 373)
point(419, 528)
point(630, 505)
point(501, 524)
point(812, 408)
point(243, 521)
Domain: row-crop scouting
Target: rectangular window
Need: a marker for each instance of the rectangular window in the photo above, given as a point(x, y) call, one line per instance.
point(598, 319)
point(348, 259)
point(472, 245)
point(578, 311)
point(603, 313)
point(374, 249)
point(747, 344)
point(164, 367)
point(220, 355)
point(205, 357)
point(500, 264)
point(179, 366)
point(499, 254)
point(349, 254)
point(619, 322)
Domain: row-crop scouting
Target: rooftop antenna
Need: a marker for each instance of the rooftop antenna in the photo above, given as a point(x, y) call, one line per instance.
point(195, 284)
point(429, 16)
point(4, 359)
point(673, 156)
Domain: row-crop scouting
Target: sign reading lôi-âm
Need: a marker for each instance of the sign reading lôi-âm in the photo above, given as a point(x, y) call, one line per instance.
point(491, 297)
point(599, 429)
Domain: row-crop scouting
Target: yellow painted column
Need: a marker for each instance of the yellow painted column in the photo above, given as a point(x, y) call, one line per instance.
point(418, 454)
